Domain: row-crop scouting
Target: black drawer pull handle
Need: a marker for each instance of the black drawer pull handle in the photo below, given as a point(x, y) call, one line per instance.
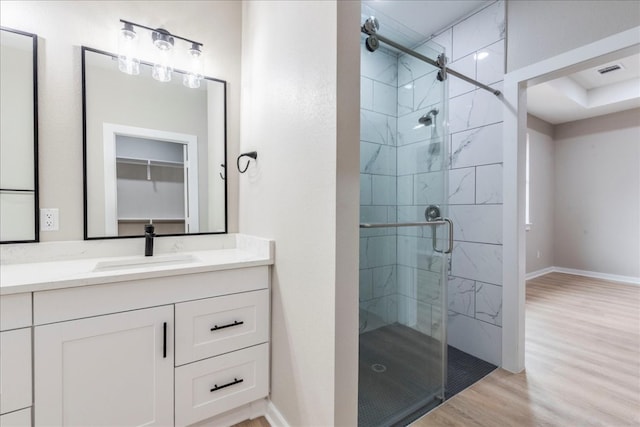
point(234, 382)
point(235, 323)
point(164, 340)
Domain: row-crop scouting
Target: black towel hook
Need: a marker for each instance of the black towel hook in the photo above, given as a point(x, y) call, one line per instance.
point(252, 154)
point(223, 166)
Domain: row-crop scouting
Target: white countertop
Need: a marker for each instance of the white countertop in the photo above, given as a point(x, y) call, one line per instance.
point(34, 275)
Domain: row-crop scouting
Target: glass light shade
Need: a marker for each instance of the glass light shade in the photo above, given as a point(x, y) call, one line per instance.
point(194, 76)
point(127, 51)
point(161, 73)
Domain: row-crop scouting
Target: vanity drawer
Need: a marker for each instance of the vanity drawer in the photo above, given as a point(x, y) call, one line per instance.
point(240, 377)
point(214, 326)
point(15, 311)
point(16, 419)
point(15, 370)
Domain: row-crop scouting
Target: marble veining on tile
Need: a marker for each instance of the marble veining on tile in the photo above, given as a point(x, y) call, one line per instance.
point(489, 303)
point(461, 295)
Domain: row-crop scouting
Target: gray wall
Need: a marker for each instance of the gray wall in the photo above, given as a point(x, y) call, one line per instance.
point(541, 29)
point(597, 199)
point(540, 247)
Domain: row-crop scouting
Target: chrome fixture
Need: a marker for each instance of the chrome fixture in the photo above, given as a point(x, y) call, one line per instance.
point(371, 27)
point(162, 49)
point(148, 239)
point(429, 119)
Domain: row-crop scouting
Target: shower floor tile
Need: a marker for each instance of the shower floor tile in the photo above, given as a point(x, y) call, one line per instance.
point(399, 371)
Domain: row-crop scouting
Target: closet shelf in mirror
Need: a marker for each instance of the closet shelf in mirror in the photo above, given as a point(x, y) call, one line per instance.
point(149, 162)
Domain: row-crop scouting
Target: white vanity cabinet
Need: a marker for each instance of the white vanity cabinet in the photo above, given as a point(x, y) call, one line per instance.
point(109, 354)
point(15, 360)
point(110, 370)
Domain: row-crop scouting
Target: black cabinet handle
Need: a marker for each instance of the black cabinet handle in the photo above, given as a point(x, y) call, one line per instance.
point(234, 382)
point(235, 323)
point(164, 340)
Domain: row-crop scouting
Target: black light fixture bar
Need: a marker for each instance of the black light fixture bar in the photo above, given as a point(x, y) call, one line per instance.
point(156, 29)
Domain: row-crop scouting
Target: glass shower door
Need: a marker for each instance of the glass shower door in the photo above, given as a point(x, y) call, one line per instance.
point(403, 259)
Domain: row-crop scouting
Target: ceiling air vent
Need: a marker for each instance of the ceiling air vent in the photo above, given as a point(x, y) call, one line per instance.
point(610, 68)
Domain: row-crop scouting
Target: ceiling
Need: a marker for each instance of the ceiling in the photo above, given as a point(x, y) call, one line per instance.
point(426, 17)
point(587, 93)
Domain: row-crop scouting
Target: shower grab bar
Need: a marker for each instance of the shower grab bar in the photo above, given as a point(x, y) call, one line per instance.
point(418, 224)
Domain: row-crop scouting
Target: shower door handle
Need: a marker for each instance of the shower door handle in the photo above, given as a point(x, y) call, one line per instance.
point(432, 223)
point(434, 240)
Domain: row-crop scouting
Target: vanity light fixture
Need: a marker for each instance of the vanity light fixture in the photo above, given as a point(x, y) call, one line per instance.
point(163, 43)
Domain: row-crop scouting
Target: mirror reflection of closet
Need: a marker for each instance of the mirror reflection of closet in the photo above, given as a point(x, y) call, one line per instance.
point(18, 137)
point(154, 181)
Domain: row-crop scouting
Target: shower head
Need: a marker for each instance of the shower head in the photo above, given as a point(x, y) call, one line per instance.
point(428, 119)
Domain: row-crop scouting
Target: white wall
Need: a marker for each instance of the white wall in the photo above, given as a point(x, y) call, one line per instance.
point(62, 28)
point(540, 242)
point(300, 112)
point(541, 29)
point(597, 201)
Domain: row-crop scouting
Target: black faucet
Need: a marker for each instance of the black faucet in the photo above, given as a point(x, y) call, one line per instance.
point(148, 239)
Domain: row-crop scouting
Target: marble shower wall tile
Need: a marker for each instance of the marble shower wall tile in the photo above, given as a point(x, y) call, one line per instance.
point(420, 157)
point(385, 99)
point(384, 281)
point(366, 284)
point(477, 261)
point(366, 93)
point(377, 251)
point(466, 66)
point(489, 184)
point(417, 252)
point(365, 190)
point(405, 190)
point(462, 183)
point(474, 109)
point(429, 188)
point(489, 303)
point(427, 91)
point(410, 131)
point(477, 223)
point(377, 127)
point(490, 69)
point(479, 30)
point(405, 99)
point(462, 296)
point(444, 40)
point(378, 66)
point(479, 146)
point(475, 337)
point(407, 311)
point(383, 190)
point(377, 159)
point(373, 214)
point(410, 68)
point(406, 281)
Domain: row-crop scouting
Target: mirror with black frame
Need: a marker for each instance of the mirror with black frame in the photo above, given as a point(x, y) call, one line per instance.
point(154, 152)
point(18, 137)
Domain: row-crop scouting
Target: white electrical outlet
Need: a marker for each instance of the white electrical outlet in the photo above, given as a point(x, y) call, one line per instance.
point(49, 220)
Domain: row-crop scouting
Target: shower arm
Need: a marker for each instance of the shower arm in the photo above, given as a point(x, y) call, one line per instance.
point(442, 66)
point(435, 222)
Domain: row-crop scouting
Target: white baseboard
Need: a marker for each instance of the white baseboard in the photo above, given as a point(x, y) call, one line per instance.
point(594, 274)
point(274, 416)
point(539, 273)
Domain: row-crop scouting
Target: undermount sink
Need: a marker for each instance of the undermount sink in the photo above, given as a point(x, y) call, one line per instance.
point(144, 262)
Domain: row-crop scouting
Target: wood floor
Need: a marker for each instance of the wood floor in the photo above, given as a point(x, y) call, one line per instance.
point(582, 362)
